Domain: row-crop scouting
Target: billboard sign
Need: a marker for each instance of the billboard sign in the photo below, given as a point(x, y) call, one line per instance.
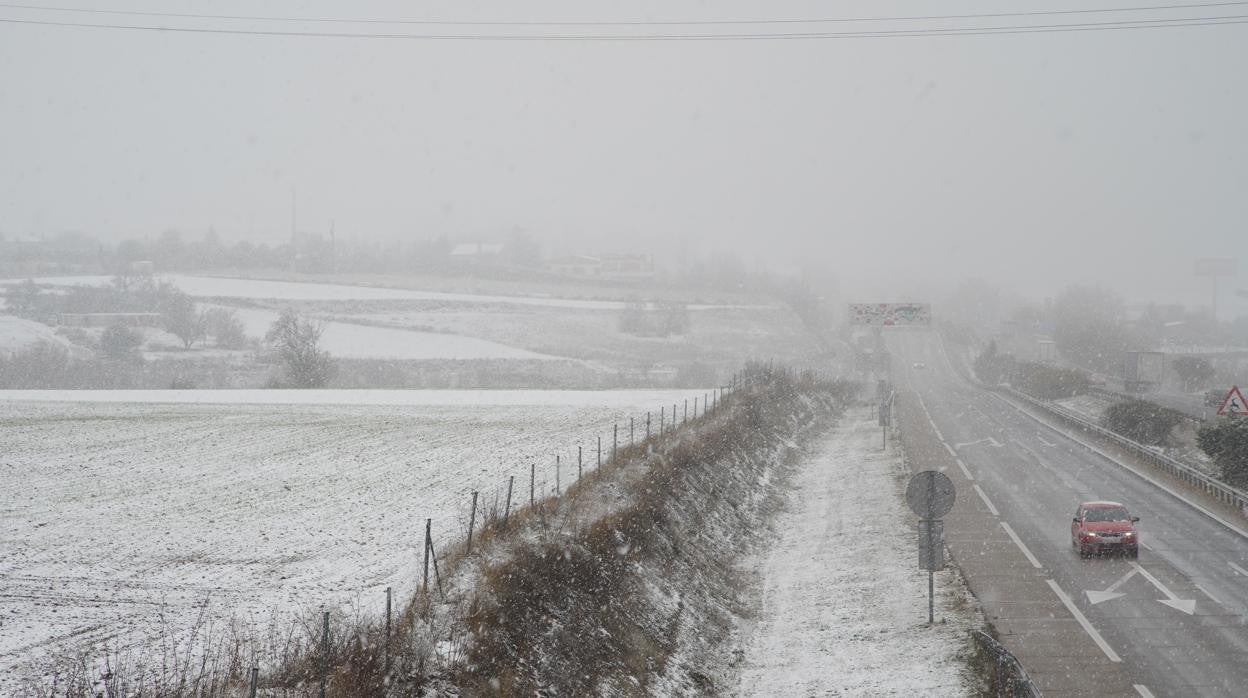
point(890, 314)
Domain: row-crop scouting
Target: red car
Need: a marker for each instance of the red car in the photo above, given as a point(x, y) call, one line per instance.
point(1102, 527)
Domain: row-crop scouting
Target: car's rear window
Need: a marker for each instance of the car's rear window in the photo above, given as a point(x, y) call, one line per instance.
point(1107, 514)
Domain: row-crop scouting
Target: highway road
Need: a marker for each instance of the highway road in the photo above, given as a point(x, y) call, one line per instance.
point(1175, 621)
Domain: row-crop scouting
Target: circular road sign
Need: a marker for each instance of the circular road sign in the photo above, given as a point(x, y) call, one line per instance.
point(930, 494)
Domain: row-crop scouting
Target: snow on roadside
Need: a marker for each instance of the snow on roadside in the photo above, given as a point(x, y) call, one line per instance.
point(844, 606)
point(1090, 407)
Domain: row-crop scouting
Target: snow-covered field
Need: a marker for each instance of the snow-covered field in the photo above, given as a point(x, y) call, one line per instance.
point(118, 515)
point(844, 607)
point(18, 335)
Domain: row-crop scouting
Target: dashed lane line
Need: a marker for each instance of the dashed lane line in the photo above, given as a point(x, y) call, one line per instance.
point(1238, 569)
point(1019, 542)
point(1083, 621)
point(1143, 691)
point(986, 502)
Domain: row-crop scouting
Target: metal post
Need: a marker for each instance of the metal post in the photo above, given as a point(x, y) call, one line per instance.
point(578, 463)
point(324, 653)
point(557, 469)
point(647, 425)
point(615, 440)
point(472, 520)
point(630, 431)
point(511, 480)
point(695, 409)
point(388, 616)
point(599, 450)
point(424, 580)
point(532, 480)
point(685, 418)
point(255, 679)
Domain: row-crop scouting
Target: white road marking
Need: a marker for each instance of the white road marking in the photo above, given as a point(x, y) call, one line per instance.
point(1206, 593)
point(1045, 441)
point(1110, 592)
point(1187, 606)
point(965, 471)
point(1238, 569)
point(949, 449)
point(1083, 621)
point(1143, 691)
point(986, 502)
point(1018, 541)
point(994, 442)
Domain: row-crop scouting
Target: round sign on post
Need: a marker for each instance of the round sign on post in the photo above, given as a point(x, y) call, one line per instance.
point(930, 494)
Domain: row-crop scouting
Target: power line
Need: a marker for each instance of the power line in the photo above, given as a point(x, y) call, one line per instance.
point(633, 23)
point(1222, 20)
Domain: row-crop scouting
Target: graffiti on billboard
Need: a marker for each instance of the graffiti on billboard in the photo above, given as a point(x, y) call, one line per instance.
point(890, 314)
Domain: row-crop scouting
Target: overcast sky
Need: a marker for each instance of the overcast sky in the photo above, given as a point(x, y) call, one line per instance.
point(899, 164)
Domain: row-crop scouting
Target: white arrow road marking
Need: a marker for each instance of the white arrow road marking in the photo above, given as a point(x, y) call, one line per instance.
point(1187, 606)
point(1143, 690)
point(1096, 597)
point(1045, 441)
point(1083, 621)
point(1238, 569)
point(994, 442)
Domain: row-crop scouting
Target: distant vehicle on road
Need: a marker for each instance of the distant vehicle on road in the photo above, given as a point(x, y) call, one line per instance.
point(1104, 527)
point(919, 364)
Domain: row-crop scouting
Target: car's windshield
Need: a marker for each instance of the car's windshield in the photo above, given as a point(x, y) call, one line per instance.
point(1106, 514)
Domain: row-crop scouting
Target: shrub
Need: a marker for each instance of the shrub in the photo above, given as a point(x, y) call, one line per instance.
point(1048, 382)
point(1226, 442)
point(121, 343)
point(1141, 421)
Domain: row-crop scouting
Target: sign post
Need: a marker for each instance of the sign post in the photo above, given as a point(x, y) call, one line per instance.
point(930, 495)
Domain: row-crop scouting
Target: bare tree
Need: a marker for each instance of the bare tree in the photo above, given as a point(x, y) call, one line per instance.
point(297, 342)
point(177, 311)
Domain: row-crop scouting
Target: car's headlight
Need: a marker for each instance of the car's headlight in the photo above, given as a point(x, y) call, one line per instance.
point(1129, 534)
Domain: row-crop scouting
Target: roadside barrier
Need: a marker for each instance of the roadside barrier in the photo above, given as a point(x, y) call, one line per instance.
point(1214, 488)
point(1008, 679)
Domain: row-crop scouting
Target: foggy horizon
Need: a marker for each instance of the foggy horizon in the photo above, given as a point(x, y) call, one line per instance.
point(900, 165)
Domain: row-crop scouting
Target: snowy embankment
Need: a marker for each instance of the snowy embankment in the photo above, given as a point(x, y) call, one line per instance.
point(122, 521)
point(843, 604)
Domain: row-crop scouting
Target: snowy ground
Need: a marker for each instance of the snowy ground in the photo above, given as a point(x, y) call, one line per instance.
point(116, 514)
point(844, 607)
point(18, 335)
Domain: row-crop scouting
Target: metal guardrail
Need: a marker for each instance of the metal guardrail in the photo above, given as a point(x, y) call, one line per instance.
point(1214, 488)
point(1008, 679)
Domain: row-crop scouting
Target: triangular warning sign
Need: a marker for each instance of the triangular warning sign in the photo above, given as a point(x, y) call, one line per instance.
point(1233, 403)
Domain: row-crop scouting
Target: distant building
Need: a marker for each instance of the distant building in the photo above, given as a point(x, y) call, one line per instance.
point(615, 267)
point(478, 253)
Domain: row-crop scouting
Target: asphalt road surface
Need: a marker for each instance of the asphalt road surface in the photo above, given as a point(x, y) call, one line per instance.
point(1174, 622)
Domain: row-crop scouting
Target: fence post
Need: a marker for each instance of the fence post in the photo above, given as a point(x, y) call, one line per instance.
point(557, 468)
point(695, 409)
point(673, 416)
point(630, 431)
point(579, 469)
point(424, 580)
point(436, 574)
point(324, 652)
point(685, 418)
point(511, 480)
point(600, 450)
point(388, 616)
point(615, 440)
point(255, 679)
point(662, 419)
point(647, 425)
point(532, 479)
point(472, 520)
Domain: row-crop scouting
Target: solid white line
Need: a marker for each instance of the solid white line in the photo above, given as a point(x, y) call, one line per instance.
point(965, 472)
point(986, 502)
point(1238, 569)
point(1143, 691)
point(950, 449)
point(1087, 625)
point(1017, 541)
